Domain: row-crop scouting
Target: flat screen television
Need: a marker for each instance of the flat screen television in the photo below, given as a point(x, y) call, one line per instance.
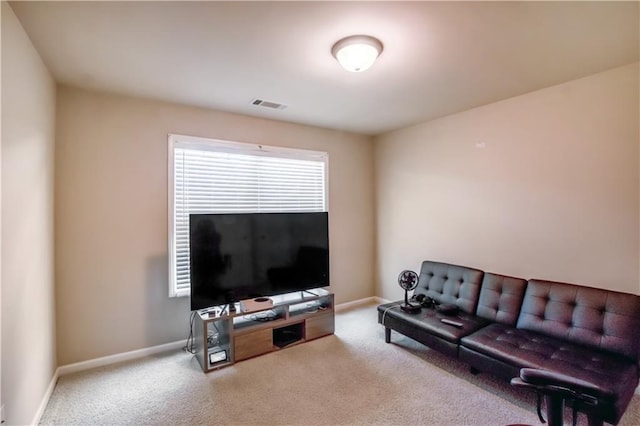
point(238, 256)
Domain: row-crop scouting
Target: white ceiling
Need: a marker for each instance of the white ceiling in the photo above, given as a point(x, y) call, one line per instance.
point(438, 58)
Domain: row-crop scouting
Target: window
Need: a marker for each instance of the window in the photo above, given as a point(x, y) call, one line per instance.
point(212, 176)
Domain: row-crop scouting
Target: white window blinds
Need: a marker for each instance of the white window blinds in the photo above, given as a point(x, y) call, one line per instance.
point(226, 177)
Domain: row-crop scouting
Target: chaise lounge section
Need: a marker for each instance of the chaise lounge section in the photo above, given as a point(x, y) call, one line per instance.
point(509, 323)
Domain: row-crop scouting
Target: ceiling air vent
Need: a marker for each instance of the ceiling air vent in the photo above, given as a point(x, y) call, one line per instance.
point(267, 104)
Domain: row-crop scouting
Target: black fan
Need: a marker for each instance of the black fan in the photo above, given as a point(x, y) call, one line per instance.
point(408, 280)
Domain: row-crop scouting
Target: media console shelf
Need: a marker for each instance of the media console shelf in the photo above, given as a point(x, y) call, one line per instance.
point(222, 338)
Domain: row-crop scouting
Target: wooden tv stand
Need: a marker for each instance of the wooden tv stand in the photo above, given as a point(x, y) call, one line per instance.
point(222, 337)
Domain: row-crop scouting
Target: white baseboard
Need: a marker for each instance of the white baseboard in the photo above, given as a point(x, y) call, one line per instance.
point(126, 356)
point(112, 359)
point(45, 398)
point(348, 305)
point(99, 362)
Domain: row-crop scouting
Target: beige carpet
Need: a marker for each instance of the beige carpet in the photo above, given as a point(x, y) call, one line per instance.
point(352, 377)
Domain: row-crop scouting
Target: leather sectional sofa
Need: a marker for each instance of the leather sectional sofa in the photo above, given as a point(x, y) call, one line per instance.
point(509, 323)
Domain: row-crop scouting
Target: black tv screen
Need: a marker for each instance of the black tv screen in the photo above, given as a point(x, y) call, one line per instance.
point(247, 255)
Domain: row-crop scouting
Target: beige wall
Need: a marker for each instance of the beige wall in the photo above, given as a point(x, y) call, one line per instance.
point(28, 316)
point(111, 215)
point(553, 193)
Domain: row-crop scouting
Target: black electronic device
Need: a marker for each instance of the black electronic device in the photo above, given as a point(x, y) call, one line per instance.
point(457, 324)
point(285, 336)
point(238, 256)
point(424, 300)
point(428, 302)
point(408, 280)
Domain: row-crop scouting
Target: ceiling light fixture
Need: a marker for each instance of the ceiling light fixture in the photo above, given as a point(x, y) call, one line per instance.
point(357, 53)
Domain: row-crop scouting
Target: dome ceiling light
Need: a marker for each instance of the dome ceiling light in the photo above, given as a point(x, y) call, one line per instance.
point(357, 53)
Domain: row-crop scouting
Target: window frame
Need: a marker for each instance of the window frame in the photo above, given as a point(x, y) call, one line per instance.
point(219, 145)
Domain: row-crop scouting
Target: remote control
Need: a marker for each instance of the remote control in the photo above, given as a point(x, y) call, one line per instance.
point(452, 322)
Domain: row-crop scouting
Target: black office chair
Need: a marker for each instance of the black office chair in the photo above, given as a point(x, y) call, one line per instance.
point(556, 389)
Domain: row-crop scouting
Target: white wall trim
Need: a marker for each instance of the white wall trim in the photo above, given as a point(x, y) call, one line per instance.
point(46, 397)
point(354, 303)
point(139, 353)
point(99, 362)
point(126, 356)
point(112, 359)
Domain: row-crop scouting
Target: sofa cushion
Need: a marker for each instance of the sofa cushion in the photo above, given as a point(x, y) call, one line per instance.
point(601, 319)
point(428, 321)
point(612, 374)
point(501, 298)
point(450, 284)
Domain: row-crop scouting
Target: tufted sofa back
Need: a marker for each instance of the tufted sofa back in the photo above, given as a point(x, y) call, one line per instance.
point(602, 319)
point(501, 298)
point(452, 284)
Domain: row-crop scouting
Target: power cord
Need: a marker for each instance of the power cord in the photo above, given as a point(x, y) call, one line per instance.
point(384, 314)
point(188, 347)
point(213, 338)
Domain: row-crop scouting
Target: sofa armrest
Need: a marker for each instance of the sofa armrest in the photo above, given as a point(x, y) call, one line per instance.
point(576, 388)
